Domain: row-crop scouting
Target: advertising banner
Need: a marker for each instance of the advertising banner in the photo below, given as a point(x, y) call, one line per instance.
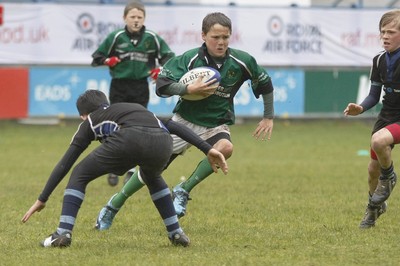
point(69, 34)
point(53, 91)
point(288, 95)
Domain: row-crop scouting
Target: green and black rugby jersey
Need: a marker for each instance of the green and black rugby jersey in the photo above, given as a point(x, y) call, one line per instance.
point(217, 109)
point(138, 52)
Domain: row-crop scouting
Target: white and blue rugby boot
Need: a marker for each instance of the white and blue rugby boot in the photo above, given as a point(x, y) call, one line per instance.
point(106, 216)
point(180, 197)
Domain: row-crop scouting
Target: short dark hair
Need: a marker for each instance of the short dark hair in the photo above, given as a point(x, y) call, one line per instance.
point(90, 101)
point(215, 18)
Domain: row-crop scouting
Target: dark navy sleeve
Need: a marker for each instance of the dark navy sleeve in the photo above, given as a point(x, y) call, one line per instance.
point(60, 171)
point(187, 134)
point(373, 97)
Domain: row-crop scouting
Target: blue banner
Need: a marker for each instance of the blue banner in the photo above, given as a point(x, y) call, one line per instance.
point(53, 91)
point(288, 95)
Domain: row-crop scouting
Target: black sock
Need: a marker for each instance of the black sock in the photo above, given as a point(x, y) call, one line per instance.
point(387, 173)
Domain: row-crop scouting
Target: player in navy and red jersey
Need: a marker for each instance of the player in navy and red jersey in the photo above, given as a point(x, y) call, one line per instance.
point(210, 117)
point(133, 54)
point(130, 135)
point(385, 75)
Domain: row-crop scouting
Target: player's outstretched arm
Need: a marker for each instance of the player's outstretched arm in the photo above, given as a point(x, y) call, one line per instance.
point(217, 160)
point(36, 207)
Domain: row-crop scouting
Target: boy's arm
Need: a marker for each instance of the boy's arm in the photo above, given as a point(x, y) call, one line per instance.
point(373, 97)
point(59, 172)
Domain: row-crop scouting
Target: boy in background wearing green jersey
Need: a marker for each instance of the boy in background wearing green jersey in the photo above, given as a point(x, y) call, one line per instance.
point(210, 117)
point(133, 54)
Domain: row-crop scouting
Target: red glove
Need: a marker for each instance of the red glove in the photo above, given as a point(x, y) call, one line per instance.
point(112, 61)
point(154, 73)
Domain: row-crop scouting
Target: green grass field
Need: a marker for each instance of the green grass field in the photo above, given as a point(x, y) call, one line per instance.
point(294, 200)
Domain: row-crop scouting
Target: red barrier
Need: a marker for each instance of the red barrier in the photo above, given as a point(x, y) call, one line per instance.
point(14, 92)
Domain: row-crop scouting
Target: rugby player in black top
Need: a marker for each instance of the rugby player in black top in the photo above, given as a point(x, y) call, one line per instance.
point(130, 135)
point(385, 75)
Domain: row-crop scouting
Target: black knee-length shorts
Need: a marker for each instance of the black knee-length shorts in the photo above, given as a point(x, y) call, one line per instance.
point(150, 148)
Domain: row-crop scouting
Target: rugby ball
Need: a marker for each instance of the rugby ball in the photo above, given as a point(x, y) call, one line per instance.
point(191, 76)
